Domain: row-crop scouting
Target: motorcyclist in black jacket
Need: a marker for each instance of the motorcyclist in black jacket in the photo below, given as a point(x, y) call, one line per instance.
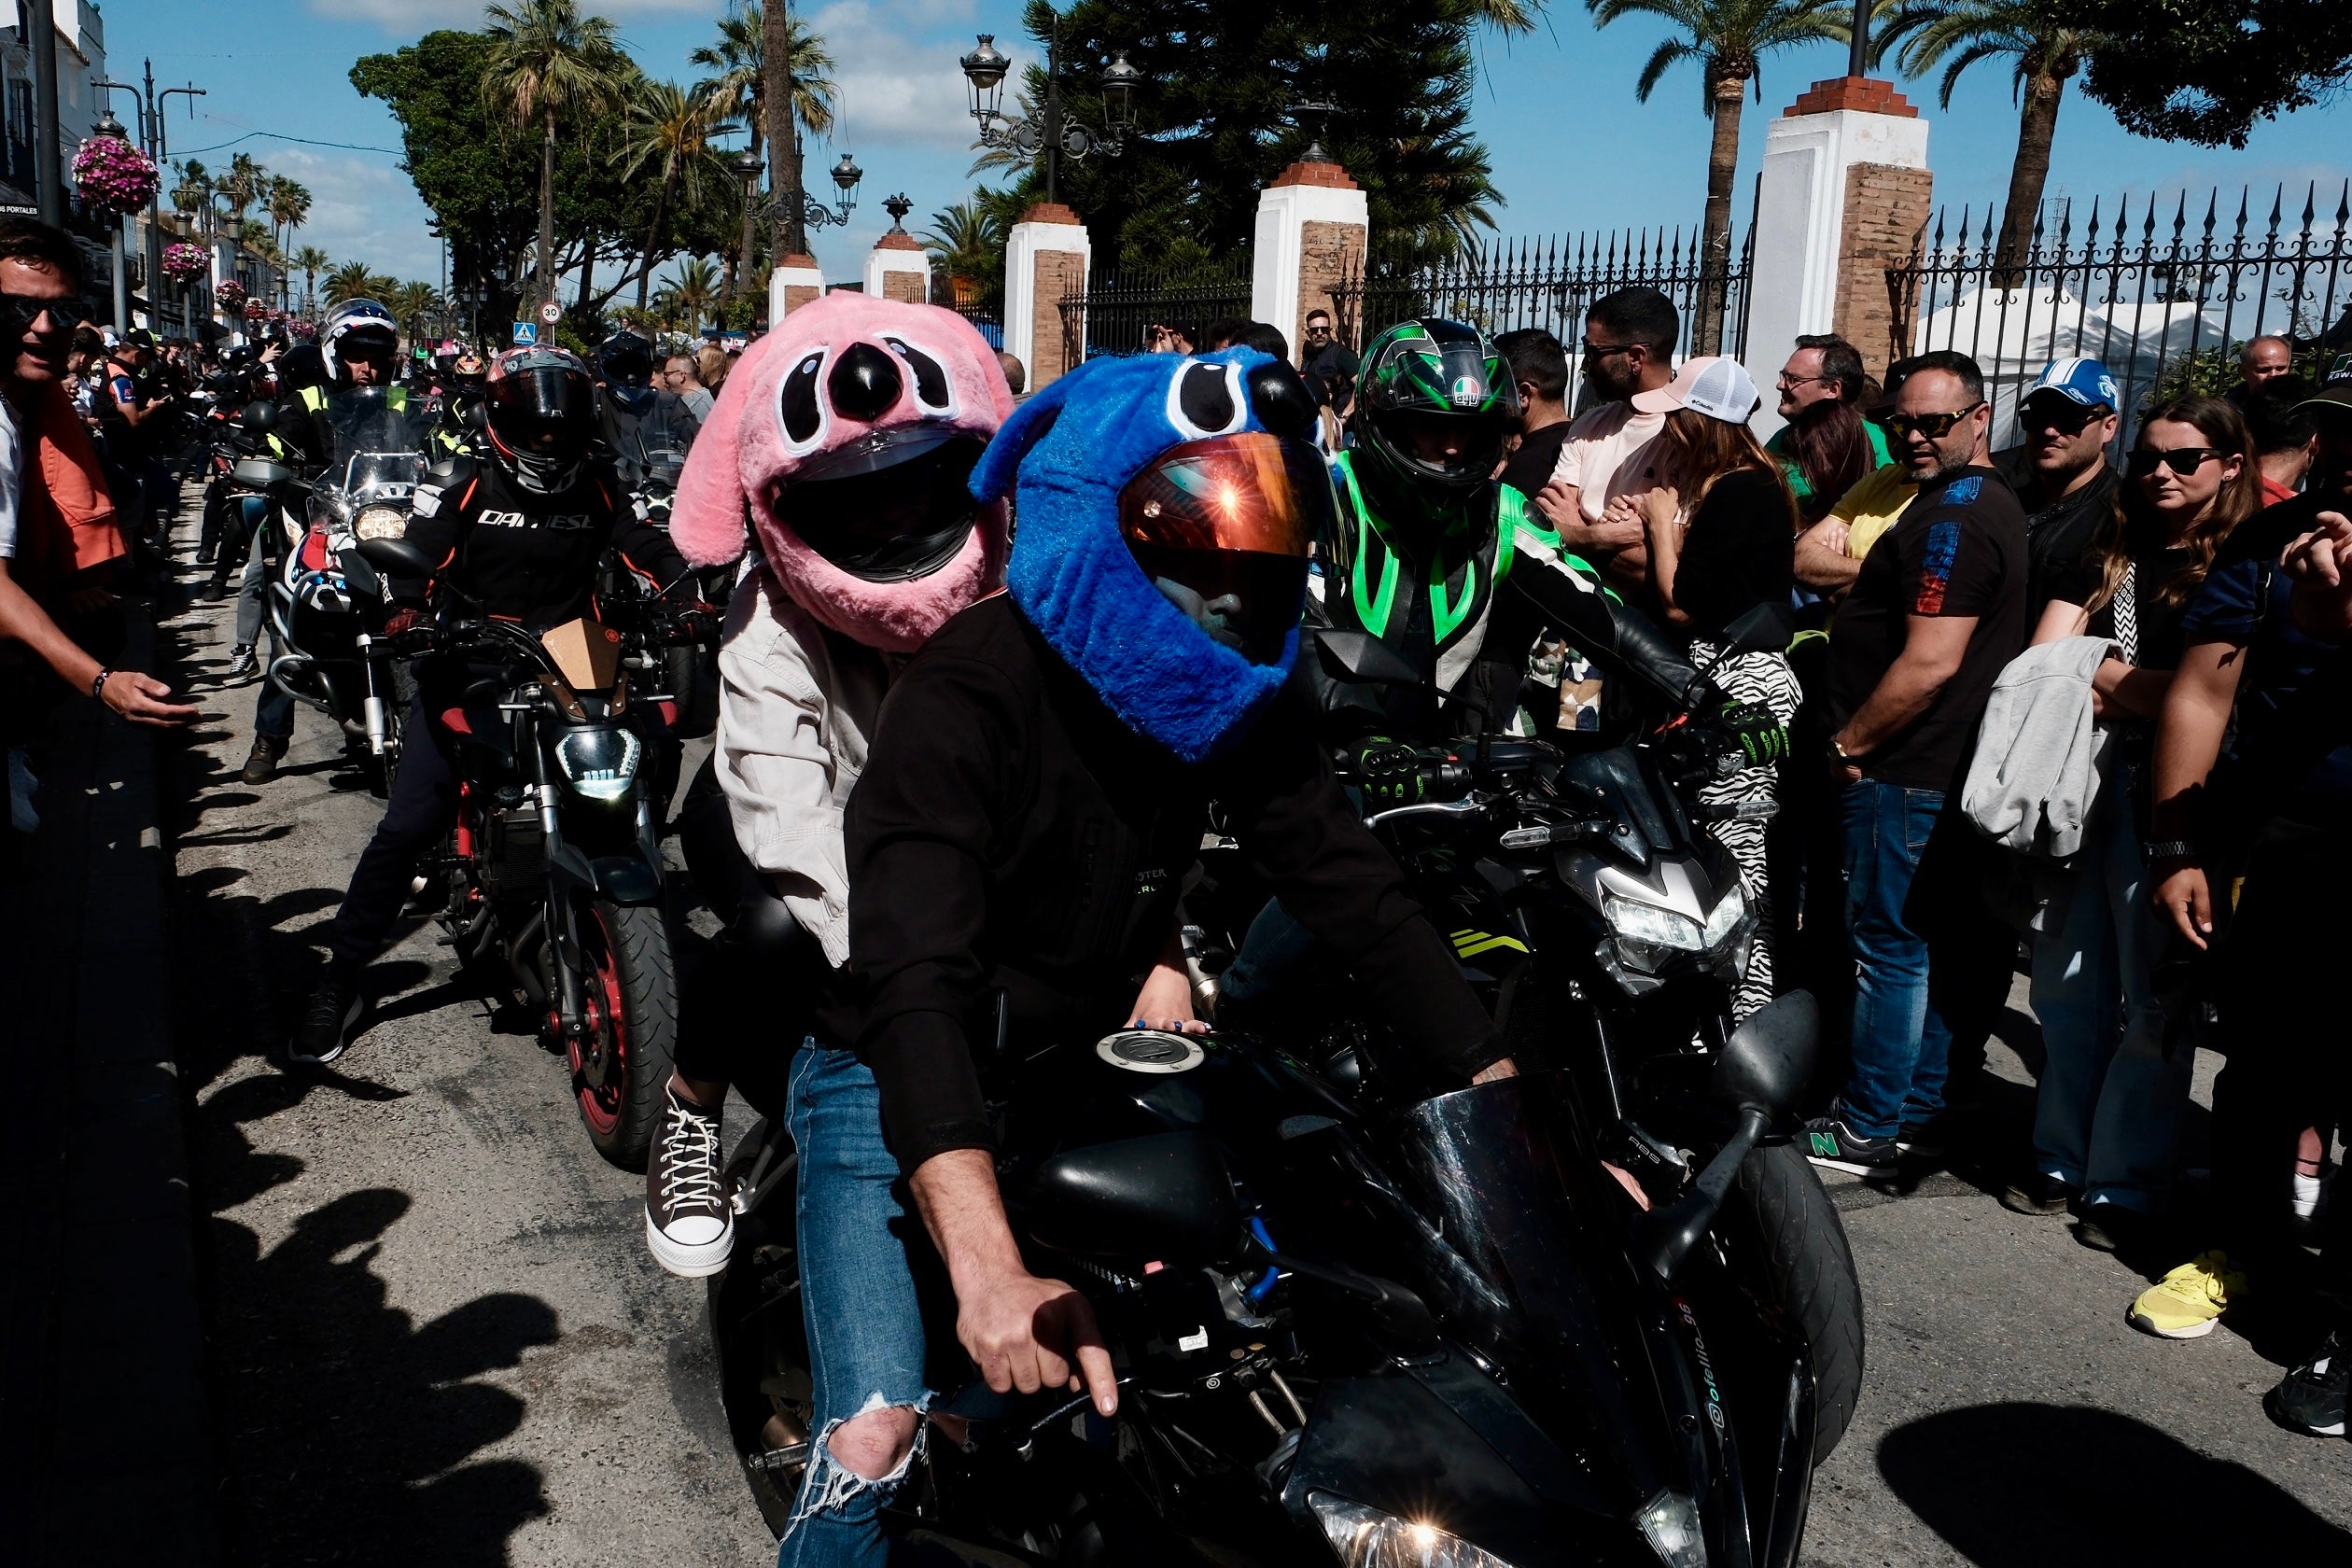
point(649, 431)
point(516, 529)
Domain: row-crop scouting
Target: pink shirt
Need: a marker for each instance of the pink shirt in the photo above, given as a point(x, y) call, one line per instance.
point(1607, 454)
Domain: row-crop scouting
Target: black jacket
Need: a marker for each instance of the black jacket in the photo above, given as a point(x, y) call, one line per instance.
point(1009, 833)
point(2058, 535)
point(519, 555)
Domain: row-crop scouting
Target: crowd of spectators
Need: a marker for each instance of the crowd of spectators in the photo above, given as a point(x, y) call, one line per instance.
point(2076, 705)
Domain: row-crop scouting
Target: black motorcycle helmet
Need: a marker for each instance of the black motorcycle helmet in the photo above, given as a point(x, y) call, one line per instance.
point(625, 360)
point(1435, 406)
point(542, 415)
point(892, 507)
point(299, 366)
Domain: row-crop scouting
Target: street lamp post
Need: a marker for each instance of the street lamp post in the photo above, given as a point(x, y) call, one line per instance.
point(747, 165)
point(109, 126)
point(986, 67)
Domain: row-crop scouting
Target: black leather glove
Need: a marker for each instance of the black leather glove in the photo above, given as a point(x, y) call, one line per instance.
point(1758, 731)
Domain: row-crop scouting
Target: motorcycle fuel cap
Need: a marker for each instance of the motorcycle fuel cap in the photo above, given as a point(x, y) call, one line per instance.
point(1152, 1051)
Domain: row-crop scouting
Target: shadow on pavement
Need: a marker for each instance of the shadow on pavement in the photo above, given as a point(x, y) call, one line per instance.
point(2025, 1485)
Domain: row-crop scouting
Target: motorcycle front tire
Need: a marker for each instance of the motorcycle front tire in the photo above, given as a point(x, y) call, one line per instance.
point(631, 976)
point(384, 771)
point(1804, 1254)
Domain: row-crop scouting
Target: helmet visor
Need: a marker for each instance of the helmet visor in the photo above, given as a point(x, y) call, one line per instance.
point(891, 523)
point(1223, 526)
point(544, 411)
point(1446, 445)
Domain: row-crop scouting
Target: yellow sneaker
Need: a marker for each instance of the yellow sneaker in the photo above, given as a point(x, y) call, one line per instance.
point(2190, 1300)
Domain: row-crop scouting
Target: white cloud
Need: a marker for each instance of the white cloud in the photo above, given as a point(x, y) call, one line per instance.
point(362, 211)
point(895, 66)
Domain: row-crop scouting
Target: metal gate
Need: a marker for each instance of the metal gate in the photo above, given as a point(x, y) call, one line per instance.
point(1117, 312)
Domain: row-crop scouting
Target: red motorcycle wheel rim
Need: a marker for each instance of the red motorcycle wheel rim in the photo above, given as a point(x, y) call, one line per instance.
point(600, 1105)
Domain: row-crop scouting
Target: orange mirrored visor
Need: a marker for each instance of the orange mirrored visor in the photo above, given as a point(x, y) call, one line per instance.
point(1253, 491)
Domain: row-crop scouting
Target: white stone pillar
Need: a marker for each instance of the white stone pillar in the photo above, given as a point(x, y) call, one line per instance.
point(1844, 187)
point(1046, 256)
point(898, 268)
point(1312, 225)
point(795, 282)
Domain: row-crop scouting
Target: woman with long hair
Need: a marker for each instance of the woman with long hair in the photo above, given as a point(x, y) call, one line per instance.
point(1826, 452)
point(2108, 1106)
point(1722, 531)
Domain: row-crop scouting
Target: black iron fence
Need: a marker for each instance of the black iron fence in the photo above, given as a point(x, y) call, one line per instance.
point(1117, 311)
point(2164, 301)
point(980, 304)
point(1549, 282)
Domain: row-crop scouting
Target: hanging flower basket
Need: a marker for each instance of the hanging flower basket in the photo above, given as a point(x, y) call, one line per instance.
point(183, 260)
point(231, 295)
point(114, 176)
point(254, 310)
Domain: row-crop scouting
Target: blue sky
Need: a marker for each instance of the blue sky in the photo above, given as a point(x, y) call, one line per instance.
point(1572, 150)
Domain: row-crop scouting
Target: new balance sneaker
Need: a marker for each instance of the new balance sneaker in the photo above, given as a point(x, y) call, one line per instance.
point(2311, 1399)
point(2039, 1195)
point(325, 1027)
point(689, 1223)
point(2186, 1303)
point(1831, 1144)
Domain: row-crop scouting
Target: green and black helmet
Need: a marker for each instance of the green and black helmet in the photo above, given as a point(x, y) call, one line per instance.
point(1435, 404)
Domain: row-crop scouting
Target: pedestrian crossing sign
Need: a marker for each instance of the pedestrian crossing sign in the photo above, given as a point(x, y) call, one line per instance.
point(525, 335)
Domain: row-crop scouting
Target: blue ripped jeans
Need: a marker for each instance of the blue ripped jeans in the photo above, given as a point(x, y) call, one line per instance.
point(865, 1328)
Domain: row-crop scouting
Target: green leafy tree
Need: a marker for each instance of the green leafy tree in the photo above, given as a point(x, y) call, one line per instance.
point(668, 131)
point(1728, 39)
point(357, 280)
point(240, 187)
point(549, 65)
point(2206, 70)
point(311, 261)
point(289, 204)
point(2043, 53)
point(966, 243)
point(694, 294)
point(414, 305)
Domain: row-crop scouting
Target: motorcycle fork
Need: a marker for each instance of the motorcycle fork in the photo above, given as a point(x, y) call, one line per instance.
point(563, 937)
point(371, 706)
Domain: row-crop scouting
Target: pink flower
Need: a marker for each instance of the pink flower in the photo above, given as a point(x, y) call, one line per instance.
point(113, 176)
point(184, 260)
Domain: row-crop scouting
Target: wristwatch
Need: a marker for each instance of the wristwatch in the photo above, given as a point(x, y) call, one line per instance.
point(1842, 754)
point(2168, 850)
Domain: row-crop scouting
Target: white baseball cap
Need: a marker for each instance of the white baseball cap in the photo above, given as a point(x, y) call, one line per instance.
point(1713, 384)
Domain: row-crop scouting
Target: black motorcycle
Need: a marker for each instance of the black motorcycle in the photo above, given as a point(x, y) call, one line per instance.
point(1602, 1312)
point(554, 874)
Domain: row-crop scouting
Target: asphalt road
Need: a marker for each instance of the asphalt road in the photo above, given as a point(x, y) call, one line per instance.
point(437, 1335)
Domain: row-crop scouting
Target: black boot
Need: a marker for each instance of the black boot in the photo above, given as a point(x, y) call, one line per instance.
point(261, 766)
point(326, 1020)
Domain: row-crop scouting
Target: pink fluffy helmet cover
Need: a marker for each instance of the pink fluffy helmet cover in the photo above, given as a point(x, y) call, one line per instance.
point(745, 456)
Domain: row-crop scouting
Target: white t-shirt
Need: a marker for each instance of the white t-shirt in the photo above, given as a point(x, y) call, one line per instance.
point(1606, 453)
point(11, 478)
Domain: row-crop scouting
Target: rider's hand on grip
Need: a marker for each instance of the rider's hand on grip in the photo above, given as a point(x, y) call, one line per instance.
point(1755, 729)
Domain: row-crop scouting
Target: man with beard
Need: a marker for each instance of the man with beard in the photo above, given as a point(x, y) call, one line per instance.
point(2061, 472)
point(1628, 348)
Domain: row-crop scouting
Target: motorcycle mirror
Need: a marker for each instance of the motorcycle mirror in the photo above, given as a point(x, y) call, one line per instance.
point(1361, 659)
point(478, 417)
point(396, 557)
point(259, 416)
point(1769, 1060)
point(1770, 627)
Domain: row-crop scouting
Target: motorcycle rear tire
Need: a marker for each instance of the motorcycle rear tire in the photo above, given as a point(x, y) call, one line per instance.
point(632, 975)
point(1811, 1268)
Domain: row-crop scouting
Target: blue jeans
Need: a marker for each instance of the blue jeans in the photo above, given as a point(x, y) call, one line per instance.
point(2111, 1092)
point(1929, 958)
point(865, 1326)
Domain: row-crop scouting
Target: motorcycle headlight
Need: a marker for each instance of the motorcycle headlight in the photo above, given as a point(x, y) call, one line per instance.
point(1729, 915)
point(1367, 1538)
point(1636, 921)
point(1670, 1522)
point(380, 522)
point(598, 763)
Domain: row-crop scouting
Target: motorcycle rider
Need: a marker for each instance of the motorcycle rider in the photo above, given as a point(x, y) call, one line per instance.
point(461, 396)
point(1167, 504)
point(1448, 566)
point(869, 539)
point(351, 406)
point(638, 421)
point(297, 368)
point(518, 528)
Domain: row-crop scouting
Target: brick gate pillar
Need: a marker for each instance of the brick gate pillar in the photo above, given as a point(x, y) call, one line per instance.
point(898, 268)
point(1312, 223)
point(796, 280)
point(1045, 257)
point(1843, 192)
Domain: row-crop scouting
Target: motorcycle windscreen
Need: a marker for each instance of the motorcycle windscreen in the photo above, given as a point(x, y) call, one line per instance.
point(1542, 1285)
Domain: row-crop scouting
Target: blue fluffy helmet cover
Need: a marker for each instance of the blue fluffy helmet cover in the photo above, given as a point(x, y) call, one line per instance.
point(1066, 453)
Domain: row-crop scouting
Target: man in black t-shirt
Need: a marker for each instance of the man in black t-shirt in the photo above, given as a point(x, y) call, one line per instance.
point(1329, 365)
point(1938, 608)
point(2061, 472)
point(1540, 366)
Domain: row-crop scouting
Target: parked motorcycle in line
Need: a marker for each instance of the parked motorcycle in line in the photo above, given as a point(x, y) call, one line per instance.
point(554, 878)
point(1356, 1318)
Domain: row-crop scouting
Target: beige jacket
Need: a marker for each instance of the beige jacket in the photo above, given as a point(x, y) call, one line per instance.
point(796, 705)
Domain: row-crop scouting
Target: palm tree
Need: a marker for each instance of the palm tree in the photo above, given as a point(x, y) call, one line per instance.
point(357, 280)
point(1729, 39)
point(194, 192)
point(967, 244)
point(411, 303)
point(670, 128)
point(313, 261)
point(549, 62)
point(289, 204)
point(791, 62)
point(2046, 52)
point(240, 187)
point(695, 292)
point(741, 86)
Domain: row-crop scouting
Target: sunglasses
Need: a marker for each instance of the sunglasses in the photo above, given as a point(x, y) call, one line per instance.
point(1790, 383)
point(18, 311)
point(2059, 414)
point(1602, 351)
point(2183, 460)
point(1935, 427)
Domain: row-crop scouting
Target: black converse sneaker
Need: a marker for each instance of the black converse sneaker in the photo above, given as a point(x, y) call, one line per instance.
point(689, 1223)
point(2311, 1399)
